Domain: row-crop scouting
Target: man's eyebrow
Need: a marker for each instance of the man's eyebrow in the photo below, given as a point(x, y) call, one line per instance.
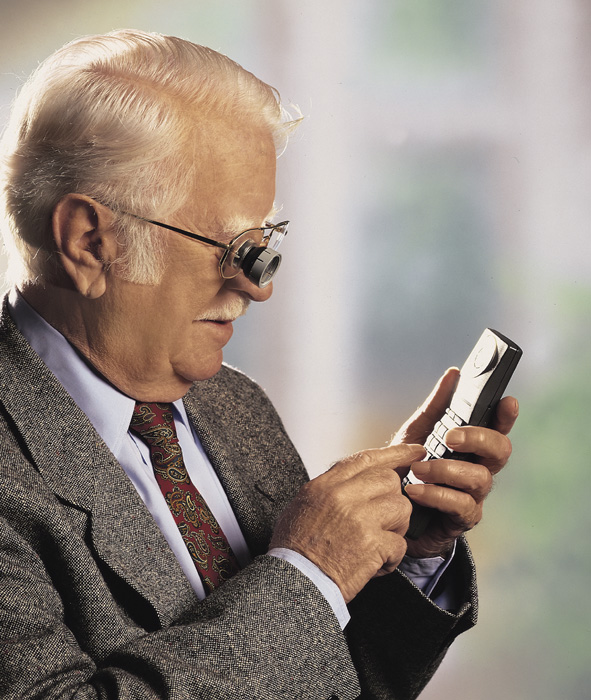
point(237, 224)
point(273, 213)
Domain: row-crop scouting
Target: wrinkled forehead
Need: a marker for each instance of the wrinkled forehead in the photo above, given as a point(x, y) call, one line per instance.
point(234, 166)
point(226, 136)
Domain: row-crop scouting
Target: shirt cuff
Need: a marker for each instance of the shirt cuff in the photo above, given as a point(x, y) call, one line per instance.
point(325, 585)
point(426, 574)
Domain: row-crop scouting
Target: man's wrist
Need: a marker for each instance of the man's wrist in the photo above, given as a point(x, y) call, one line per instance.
point(426, 572)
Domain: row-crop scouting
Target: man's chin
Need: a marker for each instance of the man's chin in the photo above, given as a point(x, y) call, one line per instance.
point(205, 370)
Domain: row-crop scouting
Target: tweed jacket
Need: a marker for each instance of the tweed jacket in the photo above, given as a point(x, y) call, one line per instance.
point(93, 603)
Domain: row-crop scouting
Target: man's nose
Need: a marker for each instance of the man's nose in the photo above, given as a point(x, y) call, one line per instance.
point(242, 284)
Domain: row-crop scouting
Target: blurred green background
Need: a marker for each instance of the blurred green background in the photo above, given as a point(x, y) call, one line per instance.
point(438, 185)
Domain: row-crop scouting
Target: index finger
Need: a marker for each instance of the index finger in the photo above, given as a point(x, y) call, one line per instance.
point(393, 456)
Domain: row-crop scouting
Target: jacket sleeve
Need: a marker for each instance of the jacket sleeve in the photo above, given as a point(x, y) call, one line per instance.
point(267, 634)
point(398, 636)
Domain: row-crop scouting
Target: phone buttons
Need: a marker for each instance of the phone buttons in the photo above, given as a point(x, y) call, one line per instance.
point(436, 447)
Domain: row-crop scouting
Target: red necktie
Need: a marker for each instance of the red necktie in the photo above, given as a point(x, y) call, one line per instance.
point(205, 540)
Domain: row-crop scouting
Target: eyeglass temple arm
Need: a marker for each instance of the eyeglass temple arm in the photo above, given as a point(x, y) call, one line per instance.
point(196, 236)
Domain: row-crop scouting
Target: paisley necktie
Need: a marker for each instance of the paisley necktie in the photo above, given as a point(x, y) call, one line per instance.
point(205, 540)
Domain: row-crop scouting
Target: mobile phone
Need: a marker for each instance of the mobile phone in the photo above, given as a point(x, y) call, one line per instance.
point(483, 379)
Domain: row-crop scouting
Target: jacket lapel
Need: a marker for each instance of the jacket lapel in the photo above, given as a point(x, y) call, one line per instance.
point(247, 446)
point(248, 500)
point(81, 471)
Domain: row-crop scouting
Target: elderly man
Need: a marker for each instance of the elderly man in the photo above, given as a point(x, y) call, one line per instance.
point(158, 538)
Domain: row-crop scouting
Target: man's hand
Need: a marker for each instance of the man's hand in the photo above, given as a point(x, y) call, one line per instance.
point(455, 489)
point(351, 520)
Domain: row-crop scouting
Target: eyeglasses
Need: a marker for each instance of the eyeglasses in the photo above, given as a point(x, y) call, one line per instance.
point(253, 251)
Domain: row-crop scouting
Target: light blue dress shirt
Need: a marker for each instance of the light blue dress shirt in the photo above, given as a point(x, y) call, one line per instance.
point(110, 413)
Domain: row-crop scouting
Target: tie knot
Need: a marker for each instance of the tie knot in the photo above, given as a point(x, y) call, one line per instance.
point(153, 422)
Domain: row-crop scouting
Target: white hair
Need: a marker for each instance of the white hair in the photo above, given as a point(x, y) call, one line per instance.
point(114, 117)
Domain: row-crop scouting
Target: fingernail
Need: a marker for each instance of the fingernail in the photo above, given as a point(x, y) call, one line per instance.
point(455, 438)
point(420, 469)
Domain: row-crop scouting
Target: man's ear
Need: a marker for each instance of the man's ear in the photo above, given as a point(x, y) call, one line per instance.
point(86, 242)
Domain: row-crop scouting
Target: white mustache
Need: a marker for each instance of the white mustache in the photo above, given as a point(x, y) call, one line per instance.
point(229, 312)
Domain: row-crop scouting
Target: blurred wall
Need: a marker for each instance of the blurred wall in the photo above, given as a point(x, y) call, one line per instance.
point(439, 184)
